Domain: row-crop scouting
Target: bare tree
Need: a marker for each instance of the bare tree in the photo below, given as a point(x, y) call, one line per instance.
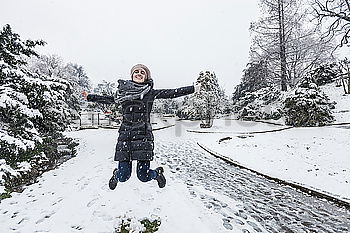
point(345, 75)
point(282, 45)
point(105, 88)
point(286, 42)
point(336, 15)
point(53, 67)
point(50, 65)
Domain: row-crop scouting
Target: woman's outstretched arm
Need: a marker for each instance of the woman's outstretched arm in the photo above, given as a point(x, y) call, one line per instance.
point(102, 99)
point(173, 93)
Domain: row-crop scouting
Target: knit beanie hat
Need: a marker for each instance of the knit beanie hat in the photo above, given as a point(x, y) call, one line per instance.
point(138, 66)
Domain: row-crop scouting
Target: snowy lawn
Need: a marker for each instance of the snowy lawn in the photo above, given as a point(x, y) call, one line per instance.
point(316, 157)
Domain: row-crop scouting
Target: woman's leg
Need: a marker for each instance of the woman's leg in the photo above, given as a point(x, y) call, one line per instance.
point(124, 171)
point(144, 173)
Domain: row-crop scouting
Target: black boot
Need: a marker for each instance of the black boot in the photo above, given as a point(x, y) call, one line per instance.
point(160, 177)
point(113, 181)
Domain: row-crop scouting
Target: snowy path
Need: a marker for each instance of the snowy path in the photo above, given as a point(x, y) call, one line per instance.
point(76, 198)
point(278, 208)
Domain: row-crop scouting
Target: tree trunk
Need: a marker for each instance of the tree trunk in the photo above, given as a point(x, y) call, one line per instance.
point(348, 83)
point(282, 46)
point(208, 117)
point(207, 122)
point(344, 86)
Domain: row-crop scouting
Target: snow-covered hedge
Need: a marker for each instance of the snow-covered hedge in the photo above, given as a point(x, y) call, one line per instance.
point(307, 105)
point(324, 74)
point(261, 104)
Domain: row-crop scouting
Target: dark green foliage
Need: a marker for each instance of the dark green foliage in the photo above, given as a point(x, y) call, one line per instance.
point(34, 111)
point(41, 162)
point(260, 104)
point(150, 226)
point(11, 46)
point(254, 78)
point(256, 98)
point(308, 106)
point(5, 195)
point(324, 74)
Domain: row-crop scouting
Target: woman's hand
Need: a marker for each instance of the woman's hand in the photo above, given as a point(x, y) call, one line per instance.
point(84, 94)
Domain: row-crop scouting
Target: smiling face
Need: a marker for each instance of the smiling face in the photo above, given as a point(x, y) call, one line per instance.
point(139, 75)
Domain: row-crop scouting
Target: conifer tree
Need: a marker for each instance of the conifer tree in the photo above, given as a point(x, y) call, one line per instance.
point(34, 109)
point(307, 105)
point(208, 98)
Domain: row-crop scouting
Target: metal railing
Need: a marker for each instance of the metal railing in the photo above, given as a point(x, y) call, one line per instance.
point(96, 120)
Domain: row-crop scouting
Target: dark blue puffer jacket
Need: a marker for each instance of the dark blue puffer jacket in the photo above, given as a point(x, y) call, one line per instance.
point(135, 141)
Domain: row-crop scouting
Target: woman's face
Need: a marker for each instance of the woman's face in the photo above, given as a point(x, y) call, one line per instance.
point(139, 76)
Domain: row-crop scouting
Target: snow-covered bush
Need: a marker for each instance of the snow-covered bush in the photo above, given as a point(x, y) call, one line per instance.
point(261, 104)
point(324, 74)
point(166, 106)
point(188, 110)
point(131, 224)
point(34, 110)
point(256, 97)
point(307, 105)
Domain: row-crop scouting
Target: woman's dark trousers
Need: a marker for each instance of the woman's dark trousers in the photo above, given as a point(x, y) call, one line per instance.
point(144, 173)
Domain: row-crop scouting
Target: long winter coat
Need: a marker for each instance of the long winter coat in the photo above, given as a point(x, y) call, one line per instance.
point(135, 141)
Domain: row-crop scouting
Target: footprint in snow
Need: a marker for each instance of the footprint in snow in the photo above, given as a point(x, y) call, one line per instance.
point(31, 201)
point(46, 216)
point(22, 220)
point(226, 223)
point(103, 216)
point(79, 228)
point(255, 226)
point(92, 202)
point(238, 221)
point(105, 187)
point(83, 186)
point(14, 214)
point(57, 201)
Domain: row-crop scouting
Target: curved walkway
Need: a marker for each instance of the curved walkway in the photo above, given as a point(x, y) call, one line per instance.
point(277, 207)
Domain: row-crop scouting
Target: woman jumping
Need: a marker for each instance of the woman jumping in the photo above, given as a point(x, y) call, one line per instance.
point(135, 141)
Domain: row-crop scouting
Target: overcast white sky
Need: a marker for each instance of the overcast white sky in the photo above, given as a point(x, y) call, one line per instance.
point(175, 39)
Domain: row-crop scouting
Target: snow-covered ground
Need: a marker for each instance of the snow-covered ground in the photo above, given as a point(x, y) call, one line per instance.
point(316, 157)
point(76, 198)
point(342, 108)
